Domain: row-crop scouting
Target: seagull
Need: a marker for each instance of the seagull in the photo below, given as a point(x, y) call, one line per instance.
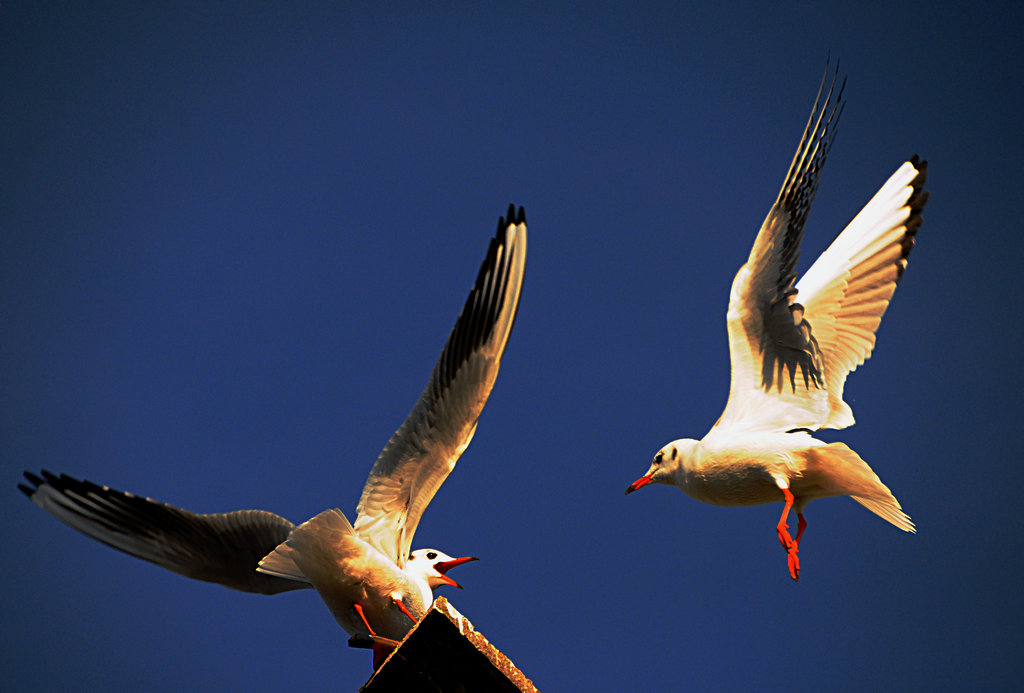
point(373, 585)
point(790, 359)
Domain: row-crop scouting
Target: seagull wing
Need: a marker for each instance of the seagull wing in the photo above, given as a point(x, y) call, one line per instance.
point(421, 454)
point(777, 368)
point(847, 289)
point(224, 548)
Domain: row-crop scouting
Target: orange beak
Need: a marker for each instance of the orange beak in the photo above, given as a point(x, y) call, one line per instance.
point(444, 566)
point(639, 483)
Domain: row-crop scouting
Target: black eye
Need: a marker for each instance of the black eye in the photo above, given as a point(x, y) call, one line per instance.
point(431, 555)
point(657, 458)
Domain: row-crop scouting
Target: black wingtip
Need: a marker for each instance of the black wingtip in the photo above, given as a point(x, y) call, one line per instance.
point(922, 171)
point(919, 197)
point(916, 203)
point(33, 479)
point(513, 216)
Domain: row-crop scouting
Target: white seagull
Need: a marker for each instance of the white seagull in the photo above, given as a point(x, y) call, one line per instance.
point(790, 360)
point(375, 588)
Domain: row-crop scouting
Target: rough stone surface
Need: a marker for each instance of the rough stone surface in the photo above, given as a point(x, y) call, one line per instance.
point(445, 653)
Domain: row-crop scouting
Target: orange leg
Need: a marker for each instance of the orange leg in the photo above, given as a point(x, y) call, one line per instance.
point(362, 616)
point(401, 605)
point(783, 528)
point(784, 537)
point(380, 650)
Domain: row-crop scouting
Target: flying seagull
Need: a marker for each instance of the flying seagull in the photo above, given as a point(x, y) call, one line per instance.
point(790, 359)
point(375, 588)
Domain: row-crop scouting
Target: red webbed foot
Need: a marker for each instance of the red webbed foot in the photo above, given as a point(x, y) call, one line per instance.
point(794, 564)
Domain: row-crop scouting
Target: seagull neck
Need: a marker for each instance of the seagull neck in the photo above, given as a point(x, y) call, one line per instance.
point(426, 593)
point(689, 466)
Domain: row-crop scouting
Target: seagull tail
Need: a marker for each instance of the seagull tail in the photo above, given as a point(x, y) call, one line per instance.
point(309, 546)
point(857, 480)
point(889, 510)
point(280, 563)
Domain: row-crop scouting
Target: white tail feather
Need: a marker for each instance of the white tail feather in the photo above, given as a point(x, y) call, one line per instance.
point(889, 510)
point(326, 533)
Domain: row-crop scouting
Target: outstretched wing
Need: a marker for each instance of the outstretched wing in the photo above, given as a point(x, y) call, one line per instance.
point(847, 289)
point(224, 548)
point(422, 453)
point(777, 368)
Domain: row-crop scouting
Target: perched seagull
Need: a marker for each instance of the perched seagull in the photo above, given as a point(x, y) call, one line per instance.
point(375, 588)
point(790, 360)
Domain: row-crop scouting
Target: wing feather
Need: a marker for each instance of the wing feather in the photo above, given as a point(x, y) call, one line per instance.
point(224, 547)
point(848, 289)
point(420, 455)
point(790, 360)
point(773, 350)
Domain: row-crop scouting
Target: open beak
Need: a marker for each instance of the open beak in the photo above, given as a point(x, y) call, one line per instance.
point(639, 483)
point(444, 566)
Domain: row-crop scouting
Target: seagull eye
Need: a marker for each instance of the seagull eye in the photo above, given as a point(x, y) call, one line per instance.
point(431, 555)
point(657, 458)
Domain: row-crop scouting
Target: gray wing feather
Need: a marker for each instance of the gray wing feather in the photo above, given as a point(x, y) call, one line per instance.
point(224, 548)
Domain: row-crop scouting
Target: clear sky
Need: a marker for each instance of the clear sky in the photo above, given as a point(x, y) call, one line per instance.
point(235, 237)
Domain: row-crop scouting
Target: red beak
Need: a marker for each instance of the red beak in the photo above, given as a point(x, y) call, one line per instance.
point(639, 483)
point(444, 566)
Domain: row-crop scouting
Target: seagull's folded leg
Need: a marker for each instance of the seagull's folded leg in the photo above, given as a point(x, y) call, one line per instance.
point(782, 528)
point(381, 647)
point(405, 610)
point(786, 539)
point(359, 610)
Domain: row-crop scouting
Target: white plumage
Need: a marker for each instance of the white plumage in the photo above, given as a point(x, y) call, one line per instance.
point(790, 359)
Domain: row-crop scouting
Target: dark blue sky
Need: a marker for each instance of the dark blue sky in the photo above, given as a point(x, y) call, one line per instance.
point(235, 239)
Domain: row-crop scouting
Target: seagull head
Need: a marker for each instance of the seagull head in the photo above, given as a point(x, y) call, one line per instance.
point(666, 464)
point(432, 566)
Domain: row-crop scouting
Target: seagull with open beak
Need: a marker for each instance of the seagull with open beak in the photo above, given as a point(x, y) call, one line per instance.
point(373, 585)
